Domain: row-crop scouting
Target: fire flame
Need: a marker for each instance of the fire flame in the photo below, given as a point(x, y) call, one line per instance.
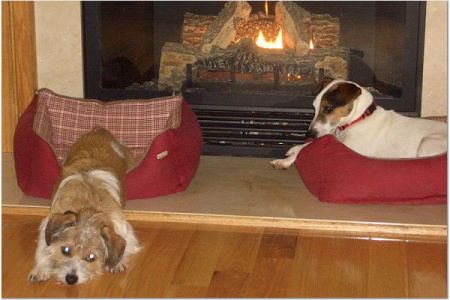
point(266, 8)
point(263, 43)
point(311, 44)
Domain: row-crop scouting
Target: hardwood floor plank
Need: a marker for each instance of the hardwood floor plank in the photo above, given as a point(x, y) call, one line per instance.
point(269, 278)
point(427, 269)
point(329, 267)
point(278, 245)
point(227, 284)
point(18, 247)
point(273, 266)
point(200, 259)
point(387, 269)
point(158, 263)
point(239, 252)
point(236, 260)
point(185, 291)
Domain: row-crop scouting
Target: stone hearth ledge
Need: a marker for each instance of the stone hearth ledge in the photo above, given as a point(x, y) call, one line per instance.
point(245, 191)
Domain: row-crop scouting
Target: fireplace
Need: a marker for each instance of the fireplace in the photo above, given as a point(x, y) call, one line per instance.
point(248, 68)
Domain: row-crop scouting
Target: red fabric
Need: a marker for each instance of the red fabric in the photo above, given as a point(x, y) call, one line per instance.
point(174, 172)
point(334, 173)
point(37, 168)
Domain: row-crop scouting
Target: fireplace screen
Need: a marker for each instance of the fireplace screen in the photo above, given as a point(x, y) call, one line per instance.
point(256, 45)
point(251, 66)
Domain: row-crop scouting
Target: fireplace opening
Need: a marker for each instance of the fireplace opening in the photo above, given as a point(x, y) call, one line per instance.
point(248, 68)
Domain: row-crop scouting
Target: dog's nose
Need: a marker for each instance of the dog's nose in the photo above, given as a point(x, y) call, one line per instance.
point(311, 134)
point(71, 279)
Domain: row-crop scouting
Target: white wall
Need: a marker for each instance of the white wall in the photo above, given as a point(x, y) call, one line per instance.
point(434, 88)
point(59, 52)
point(59, 46)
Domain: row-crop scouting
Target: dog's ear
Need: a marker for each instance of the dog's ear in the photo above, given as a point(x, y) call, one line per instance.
point(321, 85)
point(56, 223)
point(349, 91)
point(115, 245)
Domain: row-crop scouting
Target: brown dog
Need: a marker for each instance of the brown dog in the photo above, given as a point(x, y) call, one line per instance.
point(86, 231)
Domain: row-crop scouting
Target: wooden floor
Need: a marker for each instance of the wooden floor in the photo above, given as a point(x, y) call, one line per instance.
point(182, 260)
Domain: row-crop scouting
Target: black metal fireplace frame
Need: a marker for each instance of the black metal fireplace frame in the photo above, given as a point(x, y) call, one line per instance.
point(409, 103)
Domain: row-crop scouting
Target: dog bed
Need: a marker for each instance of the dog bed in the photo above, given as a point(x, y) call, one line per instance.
point(162, 134)
point(335, 173)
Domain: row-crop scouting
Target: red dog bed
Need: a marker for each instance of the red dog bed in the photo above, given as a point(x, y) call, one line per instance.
point(163, 134)
point(334, 173)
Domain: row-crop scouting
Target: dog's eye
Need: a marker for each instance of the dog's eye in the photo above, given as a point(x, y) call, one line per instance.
point(90, 257)
point(66, 250)
point(328, 109)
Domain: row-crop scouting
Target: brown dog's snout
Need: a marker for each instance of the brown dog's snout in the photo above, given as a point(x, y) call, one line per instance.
point(311, 134)
point(71, 279)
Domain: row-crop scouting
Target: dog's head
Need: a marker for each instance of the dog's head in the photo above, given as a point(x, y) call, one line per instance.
point(333, 103)
point(81, 245)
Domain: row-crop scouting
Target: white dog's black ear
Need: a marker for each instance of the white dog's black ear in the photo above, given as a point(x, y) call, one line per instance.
point(115, 245)
point(56, 223)
point(321, 85)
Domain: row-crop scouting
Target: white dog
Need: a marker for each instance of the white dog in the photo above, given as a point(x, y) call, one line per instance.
point(348, 112)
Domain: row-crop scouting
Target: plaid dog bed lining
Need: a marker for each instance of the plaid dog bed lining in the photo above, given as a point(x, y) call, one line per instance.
point(62, 120)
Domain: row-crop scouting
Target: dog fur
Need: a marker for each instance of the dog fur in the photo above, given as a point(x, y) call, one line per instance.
point(86, 231)
point(382, 134)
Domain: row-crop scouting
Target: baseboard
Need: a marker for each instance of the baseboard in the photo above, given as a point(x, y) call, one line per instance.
point(369, 229)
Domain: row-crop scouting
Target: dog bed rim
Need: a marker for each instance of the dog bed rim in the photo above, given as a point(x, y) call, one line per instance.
point(332, 137)
point(111, 102)
point(105, 103)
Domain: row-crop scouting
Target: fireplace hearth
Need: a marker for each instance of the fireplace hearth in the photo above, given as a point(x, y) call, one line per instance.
point(248, 68)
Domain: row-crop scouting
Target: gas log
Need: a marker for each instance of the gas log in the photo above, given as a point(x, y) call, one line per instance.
point(220, 51)
point(245, 63)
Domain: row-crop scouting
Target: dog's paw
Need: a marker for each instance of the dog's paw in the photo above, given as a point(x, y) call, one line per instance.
point(120, 267)
point(294, 150)
point(37, 275)
point(280, 164)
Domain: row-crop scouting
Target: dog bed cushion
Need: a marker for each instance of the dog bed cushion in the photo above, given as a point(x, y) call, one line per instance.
point(335, 173)
point(162, 134)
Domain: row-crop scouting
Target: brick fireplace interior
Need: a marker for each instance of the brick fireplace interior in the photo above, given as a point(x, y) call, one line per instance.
point(248, 69)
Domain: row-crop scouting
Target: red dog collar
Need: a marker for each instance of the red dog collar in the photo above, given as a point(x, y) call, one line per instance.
point(366, 113)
